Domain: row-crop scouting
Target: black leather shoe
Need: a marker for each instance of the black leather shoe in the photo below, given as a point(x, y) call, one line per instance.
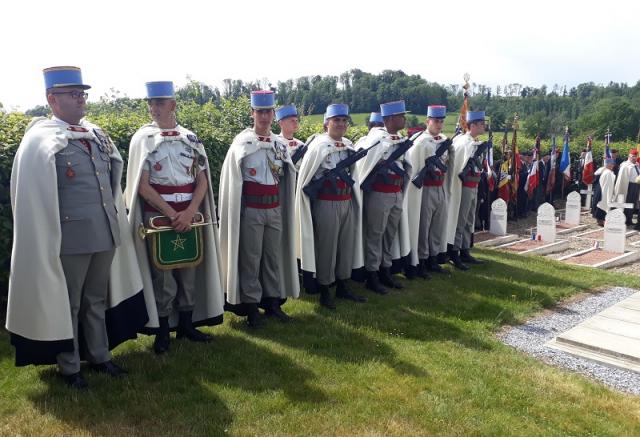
point(457, 262)
point(466, 257)
point(386, 278)
point(109, 368)
point(186, 329)
point(75, 381)
point(344, 292)
point(325, 297)
point(422, 270)
point(434, 266)
point(253, 316)
point(274, 309)
point(373, 283)
point(162, 340)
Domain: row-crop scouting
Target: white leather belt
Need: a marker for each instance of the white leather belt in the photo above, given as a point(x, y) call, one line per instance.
point(177, 197)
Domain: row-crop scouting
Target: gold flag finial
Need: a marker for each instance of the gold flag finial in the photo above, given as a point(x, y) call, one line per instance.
point(466, 85)
point(516, 123)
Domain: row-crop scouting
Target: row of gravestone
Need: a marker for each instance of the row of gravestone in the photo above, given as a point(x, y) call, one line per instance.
point(614, 227)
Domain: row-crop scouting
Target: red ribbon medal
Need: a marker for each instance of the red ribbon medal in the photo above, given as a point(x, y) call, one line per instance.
point(157, 166)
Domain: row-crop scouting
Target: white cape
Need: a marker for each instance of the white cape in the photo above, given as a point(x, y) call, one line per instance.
point(38, 306)
point(246, 143)
point(209, 303)
point(623, 179)
point(305, 243)
point(607, 179)
point(424, 147)
point(462, 149)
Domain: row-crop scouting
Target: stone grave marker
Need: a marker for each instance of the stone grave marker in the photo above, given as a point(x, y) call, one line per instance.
point(615, 231)
point(572, 211)
point(546, 225)
point(498, 220)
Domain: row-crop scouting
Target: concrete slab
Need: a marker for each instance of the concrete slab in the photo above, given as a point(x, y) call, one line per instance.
point(621, 259)
point(611, 337)
point(490, 240)
point(590, 234)
point(557, 246)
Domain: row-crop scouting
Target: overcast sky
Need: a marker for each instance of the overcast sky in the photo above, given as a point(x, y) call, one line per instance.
point(122, 44)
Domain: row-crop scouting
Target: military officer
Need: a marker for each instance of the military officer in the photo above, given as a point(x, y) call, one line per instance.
point(375, 120)
point(257, 191)
point(72, 263)
point(328, 226)
point(427, 205)
point(383, 198)
point(287, 118)
point(463, 191)
point(168, 177)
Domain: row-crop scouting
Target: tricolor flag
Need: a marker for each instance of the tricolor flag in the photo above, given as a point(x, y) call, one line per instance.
point(551, 179)
point(533, 178)
point(517, 163)
point(565, 162)
point(588, 169)
point(488, 165)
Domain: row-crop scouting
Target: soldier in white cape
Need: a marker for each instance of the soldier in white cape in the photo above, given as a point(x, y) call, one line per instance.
point(626, 184)
point(54, 295)
point(257, 192)
point(328, 228)
point(195, 298)
point(426, 206)
point(383, 198)
point(463, 193)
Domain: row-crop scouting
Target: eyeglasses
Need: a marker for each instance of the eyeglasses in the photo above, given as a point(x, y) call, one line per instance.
point(74, 94)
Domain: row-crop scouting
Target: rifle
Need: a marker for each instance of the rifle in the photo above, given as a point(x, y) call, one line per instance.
point(389, 164)
point(472, 163)
point(300, 151)
point(431, 163)
point(338, 172)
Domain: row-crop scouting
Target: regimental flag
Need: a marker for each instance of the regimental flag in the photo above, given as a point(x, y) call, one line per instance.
point(503, 182)
point(565, 162)
point(517, 162)
point(589, 168)
point(551, 179)
point(533, 178)
point(607, 143)
point(488, 165)
point(462, 126)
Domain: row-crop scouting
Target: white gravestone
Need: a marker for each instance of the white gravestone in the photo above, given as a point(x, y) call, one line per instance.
point(615, 231)
point(572, 209)
point(546, 225)
point(498, 220)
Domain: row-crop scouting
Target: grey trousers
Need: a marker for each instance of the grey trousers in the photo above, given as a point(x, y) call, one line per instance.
point(171, 284)
point(333, 228)
point(259, 253)
point(433, 221)
point(466, 218)
point(87, 277)
point(381, 216)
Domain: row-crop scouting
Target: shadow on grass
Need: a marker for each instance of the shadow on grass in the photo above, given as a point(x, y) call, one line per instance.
point(175, 394)
point(327, 337)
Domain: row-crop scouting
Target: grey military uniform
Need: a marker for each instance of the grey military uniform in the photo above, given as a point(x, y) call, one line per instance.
point(333, 225)
point(381, 215)
point(173, 163)
point(90, 233)
point(261, 223)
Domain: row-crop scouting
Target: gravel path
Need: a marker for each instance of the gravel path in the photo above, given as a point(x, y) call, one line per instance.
point(532, 336)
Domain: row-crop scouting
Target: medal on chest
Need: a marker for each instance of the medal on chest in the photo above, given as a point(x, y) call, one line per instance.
point(70, 173)
point(157, 166)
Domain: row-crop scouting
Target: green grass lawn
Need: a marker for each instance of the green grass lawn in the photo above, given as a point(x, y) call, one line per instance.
point(420, 361)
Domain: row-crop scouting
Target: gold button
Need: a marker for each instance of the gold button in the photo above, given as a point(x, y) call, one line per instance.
point(97, 172)
point(101, 188)
point(66, 217)
point(104, 204)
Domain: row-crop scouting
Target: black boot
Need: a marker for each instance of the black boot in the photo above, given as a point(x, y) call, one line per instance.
point(434, 266)
point(274, 309)
point(466, 257)
point(253, 316)
point(326, 300)
point(443, 257)
point(386, 278)
point(161, 342)
point(344, 292)
point(456, 261)
point(373, 283)
point(422, 270)
point(186, 329)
